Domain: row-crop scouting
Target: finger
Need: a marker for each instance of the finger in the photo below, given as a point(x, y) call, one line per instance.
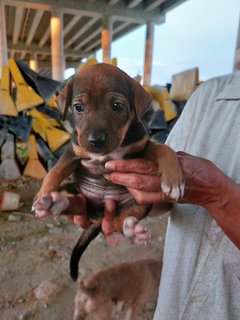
point(136, 181)
point(133, 165)
point(182, 154)
point(109, 213)
point(81, 221)
point(146, 197)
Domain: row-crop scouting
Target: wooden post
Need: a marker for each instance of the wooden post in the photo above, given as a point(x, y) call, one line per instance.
point(106, 39)
point(3, 38)
point(57, 48)
point(236, 62)
point(148, 54)
point(33, 63)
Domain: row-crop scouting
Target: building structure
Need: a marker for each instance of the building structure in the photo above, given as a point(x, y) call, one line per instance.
point(58, 34)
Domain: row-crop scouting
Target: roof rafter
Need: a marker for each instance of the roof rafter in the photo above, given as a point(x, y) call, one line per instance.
point(153, 4)
point(119, 28)
point(71, 24)
point(22, 48)
point(35, 23)
point(81, 31)
point(17, 24)
point(88, 8)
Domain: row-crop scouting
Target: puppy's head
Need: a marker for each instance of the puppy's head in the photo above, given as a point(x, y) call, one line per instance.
point(104, 101)
point(85, 300)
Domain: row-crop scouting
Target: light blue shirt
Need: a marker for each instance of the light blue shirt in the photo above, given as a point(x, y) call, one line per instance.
point(201, 267)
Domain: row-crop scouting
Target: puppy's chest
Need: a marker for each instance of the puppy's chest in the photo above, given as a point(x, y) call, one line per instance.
point(95, 187)
point(90, 176)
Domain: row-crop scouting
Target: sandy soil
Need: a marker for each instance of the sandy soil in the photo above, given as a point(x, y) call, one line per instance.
point(34, 259)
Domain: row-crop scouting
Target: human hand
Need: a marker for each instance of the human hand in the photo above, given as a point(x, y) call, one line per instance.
point(81, 218)
point(205, 185)
point(203, 180)
point(133, 229)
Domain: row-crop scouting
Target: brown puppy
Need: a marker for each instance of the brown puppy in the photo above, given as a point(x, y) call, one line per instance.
point(133, 284)
point(106, 106)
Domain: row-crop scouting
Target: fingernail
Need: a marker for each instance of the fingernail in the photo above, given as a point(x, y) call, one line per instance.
point(110, 205)
point(109, 165)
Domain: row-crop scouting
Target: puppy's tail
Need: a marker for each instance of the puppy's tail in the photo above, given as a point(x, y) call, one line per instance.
point(86, 237)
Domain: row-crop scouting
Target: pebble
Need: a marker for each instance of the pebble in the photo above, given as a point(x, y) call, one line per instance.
point(25, 315)
point(14, 218)
point(55, 229)
point(43, 240)
point(50, 225)
point(34, 242)
point(46, 289)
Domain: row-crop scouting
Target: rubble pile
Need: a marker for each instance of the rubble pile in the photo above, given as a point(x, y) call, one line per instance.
point(31, 134)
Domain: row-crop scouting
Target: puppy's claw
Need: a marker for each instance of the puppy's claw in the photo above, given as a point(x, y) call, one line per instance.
point(174, 192)
point(129, 227)
point(166, 188)
point(182, 189)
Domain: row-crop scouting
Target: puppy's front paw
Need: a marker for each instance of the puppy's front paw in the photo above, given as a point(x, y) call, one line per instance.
point(52, 204)
point(174, 191)
point(135, 230)
point(172, 183)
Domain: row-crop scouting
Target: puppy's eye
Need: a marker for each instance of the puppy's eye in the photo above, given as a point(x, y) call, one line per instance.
point(78, 107)
point(117, 106)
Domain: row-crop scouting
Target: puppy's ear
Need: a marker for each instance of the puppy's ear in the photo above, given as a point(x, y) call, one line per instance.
point(142, 100)
point(64, 99)
point(89, 288)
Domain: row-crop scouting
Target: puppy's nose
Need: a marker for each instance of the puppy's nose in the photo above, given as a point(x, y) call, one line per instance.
point(97, 138)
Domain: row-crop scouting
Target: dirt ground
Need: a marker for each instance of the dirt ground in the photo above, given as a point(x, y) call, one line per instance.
point(34, 259)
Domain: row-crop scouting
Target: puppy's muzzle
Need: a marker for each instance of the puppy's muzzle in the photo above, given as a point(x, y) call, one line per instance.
point(97, 139)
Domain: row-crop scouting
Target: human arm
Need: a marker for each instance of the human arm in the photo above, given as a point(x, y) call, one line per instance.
point(205, 185)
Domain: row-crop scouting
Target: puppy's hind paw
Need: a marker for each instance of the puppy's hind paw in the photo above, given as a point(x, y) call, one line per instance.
point(135, 230)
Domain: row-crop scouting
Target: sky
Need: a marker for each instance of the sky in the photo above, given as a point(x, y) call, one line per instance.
point(197, 33)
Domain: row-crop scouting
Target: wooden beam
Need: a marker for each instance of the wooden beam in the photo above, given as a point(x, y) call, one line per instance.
point(80, 32)
point(98, 42)
point(71, 24)
point(21, 47)
point(87, 39)
point(45, 37)
point(89, 9)
point(112, 2)
point(35, 24)
point(153, 5)
point(17, 24)
point(133, 4)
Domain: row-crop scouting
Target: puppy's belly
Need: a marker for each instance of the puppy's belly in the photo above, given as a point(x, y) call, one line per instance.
point(97, 192)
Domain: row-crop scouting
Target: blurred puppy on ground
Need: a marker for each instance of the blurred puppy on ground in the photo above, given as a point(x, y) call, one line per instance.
point(127, 285)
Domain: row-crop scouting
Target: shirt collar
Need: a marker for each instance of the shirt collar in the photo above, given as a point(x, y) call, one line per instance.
point(232, 89)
